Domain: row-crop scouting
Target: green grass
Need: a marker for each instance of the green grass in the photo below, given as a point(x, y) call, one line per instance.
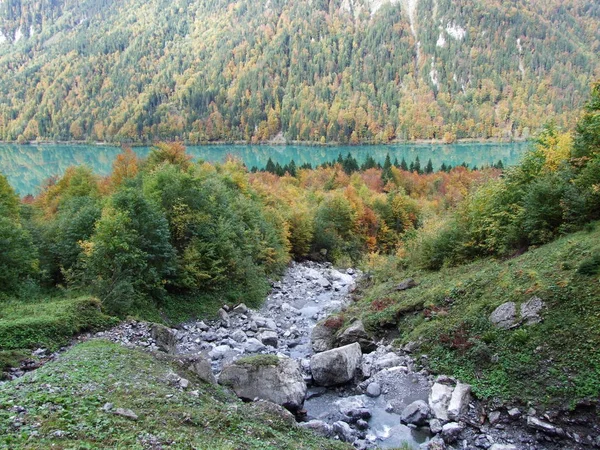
point(556, 362)
point(49, 324)
point(258, 360)
point(67, 395)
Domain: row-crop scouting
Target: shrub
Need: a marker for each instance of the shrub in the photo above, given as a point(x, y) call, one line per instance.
point(590, 265)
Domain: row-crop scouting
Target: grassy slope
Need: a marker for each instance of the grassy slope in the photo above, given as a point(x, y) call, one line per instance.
point(68, 395)
point(555, 363)
point(48, 323)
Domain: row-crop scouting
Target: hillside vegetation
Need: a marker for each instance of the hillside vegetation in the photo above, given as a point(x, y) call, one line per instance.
point(64, 405)
point(553, 363)
point(342, 70)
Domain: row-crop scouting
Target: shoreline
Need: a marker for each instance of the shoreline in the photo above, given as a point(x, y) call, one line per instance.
point(278, 143)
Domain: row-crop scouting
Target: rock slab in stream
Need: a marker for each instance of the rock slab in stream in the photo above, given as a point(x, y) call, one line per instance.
point(416, 413)
point(336, 366)
point(280, 382)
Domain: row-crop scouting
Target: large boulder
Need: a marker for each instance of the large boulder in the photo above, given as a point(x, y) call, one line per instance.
point(356, 333)
point(531, 309)
point(439, 399)
point(165, 339)
point(201, 367)
point(504, 316)
point(416, 413)
point(267, 377)
point(336, 366)
point(406, 284)
point(459, 402)
point(318, 427)
point(322, 337)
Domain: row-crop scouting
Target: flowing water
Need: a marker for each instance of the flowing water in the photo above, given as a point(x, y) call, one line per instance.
point(308, 293)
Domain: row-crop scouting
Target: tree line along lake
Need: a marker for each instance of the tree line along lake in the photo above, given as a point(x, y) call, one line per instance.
point(28, 166)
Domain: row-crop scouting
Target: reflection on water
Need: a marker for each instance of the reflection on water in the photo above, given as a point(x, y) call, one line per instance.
point(28, 166)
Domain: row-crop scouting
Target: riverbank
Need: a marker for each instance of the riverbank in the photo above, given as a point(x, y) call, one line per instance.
point(279, 142)
point(388, 402)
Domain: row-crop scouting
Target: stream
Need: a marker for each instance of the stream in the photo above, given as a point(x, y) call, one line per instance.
point(366, 411)
point(308, 293)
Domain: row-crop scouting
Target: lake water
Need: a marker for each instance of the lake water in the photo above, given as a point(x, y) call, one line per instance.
point(27, 166)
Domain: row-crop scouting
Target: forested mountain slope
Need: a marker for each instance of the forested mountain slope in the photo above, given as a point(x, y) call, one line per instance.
point(319, 70)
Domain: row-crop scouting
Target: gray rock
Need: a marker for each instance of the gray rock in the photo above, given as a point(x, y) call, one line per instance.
point(388, 360)
point(343, 431)
point(219, 351)
point(253, 345)
point(239, 336)
point(184, 383)
point(353, 408)
point(503, 447)
point(504, 315)
point(439, 399)
point(202, 326)
point(240, 309)
point(201, 367)
point(322, 337)
point(374, 389)
point(406, 284)
point(271, 409)
point(356, 333)
point(416, 413)
point(435, 425)
point(165, 339)
point(451, 431)
point(336, 366)
point(530, 310)
point(494, 417)
point(436, 443)
point(127, 413)
point(318, 427)
point(280, 383)
point(362, 424)
point(514, 413)
point(540, 425)
point(324, 283)
point(223, 315)
point(268, 337)
point(459, 401)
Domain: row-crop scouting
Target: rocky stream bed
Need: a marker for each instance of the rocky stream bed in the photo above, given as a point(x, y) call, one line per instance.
point(346, 385)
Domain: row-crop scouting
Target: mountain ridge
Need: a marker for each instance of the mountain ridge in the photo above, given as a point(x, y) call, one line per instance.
point(335, 71)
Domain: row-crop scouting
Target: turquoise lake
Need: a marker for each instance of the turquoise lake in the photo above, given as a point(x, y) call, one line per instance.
point(28, 166)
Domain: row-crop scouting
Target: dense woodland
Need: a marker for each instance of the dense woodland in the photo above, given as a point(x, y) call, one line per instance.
point(165, 230)
point(346, 71)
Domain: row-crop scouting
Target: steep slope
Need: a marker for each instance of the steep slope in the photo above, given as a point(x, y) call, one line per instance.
point(554, 363)
point(340, 70)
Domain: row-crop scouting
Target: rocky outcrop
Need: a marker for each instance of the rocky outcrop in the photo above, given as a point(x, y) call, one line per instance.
point(504, 316)
point(277, 380)
point(531, 309)
point(336, 366)
point(406, 284)
point(449, 399)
